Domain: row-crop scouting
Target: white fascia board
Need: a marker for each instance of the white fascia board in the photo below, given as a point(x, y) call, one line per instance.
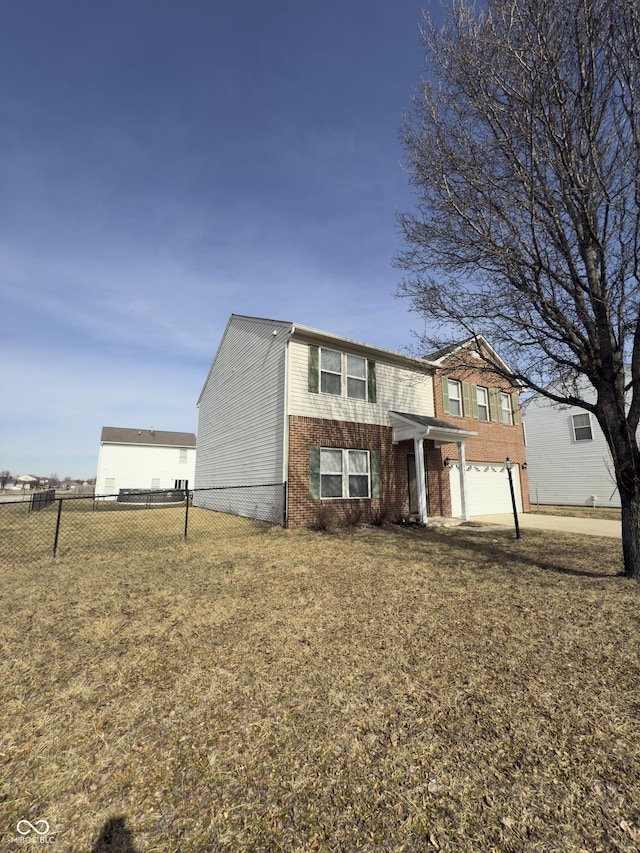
point(317, 336)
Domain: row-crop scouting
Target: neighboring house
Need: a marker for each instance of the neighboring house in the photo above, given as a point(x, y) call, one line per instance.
point(27, 481)
point(347, 426)
point(569, 461)
point(144, 459)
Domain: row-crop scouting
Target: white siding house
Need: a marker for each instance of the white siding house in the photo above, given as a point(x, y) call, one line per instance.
point(568, 459)
point(241, 407)
point(144, 459)
point(335, 422)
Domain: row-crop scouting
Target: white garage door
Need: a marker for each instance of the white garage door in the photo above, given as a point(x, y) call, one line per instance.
point(487, 488)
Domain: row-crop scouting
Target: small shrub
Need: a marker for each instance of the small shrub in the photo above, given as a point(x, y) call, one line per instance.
point(323, 519)
point(380, 516)
point(352, 516)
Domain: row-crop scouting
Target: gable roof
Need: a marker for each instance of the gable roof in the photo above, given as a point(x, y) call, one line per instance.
point(160, 438)
point(475, 343)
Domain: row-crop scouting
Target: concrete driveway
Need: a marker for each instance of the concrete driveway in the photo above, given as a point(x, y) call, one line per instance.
point(565, 524)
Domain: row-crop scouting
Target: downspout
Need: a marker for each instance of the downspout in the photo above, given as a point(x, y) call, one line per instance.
point(285, 426)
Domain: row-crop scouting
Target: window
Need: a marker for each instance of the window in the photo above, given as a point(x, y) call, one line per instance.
point(331, 473)
point(344, 473)
point(582, 427)
point(180, 484)
point(110, 485)
point(455, 399)
point(330, 372)
point(155, 483)
point(482, 398)
point(505, 408)
point(356, 377)
point(333, 372)
point(183, 455)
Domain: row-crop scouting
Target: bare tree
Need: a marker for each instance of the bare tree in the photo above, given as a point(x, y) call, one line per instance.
point(523, 147)
point(5, 476)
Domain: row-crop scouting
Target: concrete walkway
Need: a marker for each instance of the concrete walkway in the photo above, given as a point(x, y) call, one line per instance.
point(563, 523)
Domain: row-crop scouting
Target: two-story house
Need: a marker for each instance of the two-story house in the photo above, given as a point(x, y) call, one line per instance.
point(147, 459)
point(343, 424)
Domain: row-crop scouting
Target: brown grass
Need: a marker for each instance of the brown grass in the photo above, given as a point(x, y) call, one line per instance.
point(382, 690)
point(607, 513)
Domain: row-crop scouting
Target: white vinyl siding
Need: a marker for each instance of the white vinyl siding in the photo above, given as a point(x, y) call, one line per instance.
point(241, 409)
point(138, 466)
point(561, 470)
point(397, 388)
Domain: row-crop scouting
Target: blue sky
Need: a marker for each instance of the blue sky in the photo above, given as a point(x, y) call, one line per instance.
point(165, 164)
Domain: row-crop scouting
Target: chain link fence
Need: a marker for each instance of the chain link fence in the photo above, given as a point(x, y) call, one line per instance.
point(134, 520)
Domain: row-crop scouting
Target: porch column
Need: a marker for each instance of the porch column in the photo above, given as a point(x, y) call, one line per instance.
point(462, 459)
point(421, 480)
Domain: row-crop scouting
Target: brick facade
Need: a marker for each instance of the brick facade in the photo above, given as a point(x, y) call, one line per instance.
point(394, 503)
point(495, 441)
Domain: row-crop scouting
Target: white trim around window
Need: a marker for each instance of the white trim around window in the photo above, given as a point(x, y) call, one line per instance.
point(581, 425)
point(344, 473)
point(341, 373)
point(454, 389)
point(506, 412)
point(330, 371)
point(482, 398)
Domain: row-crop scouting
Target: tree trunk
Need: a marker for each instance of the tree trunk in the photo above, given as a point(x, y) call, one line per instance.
point(630, 501)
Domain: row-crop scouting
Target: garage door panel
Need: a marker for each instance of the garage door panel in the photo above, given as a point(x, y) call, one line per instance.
point(487, 488)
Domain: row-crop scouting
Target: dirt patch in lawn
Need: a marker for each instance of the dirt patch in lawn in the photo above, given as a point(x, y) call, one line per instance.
point(380, 690)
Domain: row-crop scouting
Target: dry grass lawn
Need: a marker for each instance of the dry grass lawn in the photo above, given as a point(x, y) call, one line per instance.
point(607, 513)
point(270, 690)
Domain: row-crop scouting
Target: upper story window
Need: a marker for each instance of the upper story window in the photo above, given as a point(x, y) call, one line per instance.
point(342, 375)
point(505, 408)
point(582, 427)
point(465, 399)
point(183, 455)
point(330, 371)
point(455, 397)
point(356, 377)
point(482, 400)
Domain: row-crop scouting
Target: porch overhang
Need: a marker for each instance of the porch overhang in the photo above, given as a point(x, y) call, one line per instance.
point(408, 426)
point(419, 428)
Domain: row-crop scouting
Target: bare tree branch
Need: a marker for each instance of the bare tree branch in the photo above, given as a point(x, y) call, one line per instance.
point(523, 148)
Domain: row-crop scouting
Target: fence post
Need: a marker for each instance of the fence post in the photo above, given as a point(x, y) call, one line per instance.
point(284, 504)
point(186, 511)
point(55, 539)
